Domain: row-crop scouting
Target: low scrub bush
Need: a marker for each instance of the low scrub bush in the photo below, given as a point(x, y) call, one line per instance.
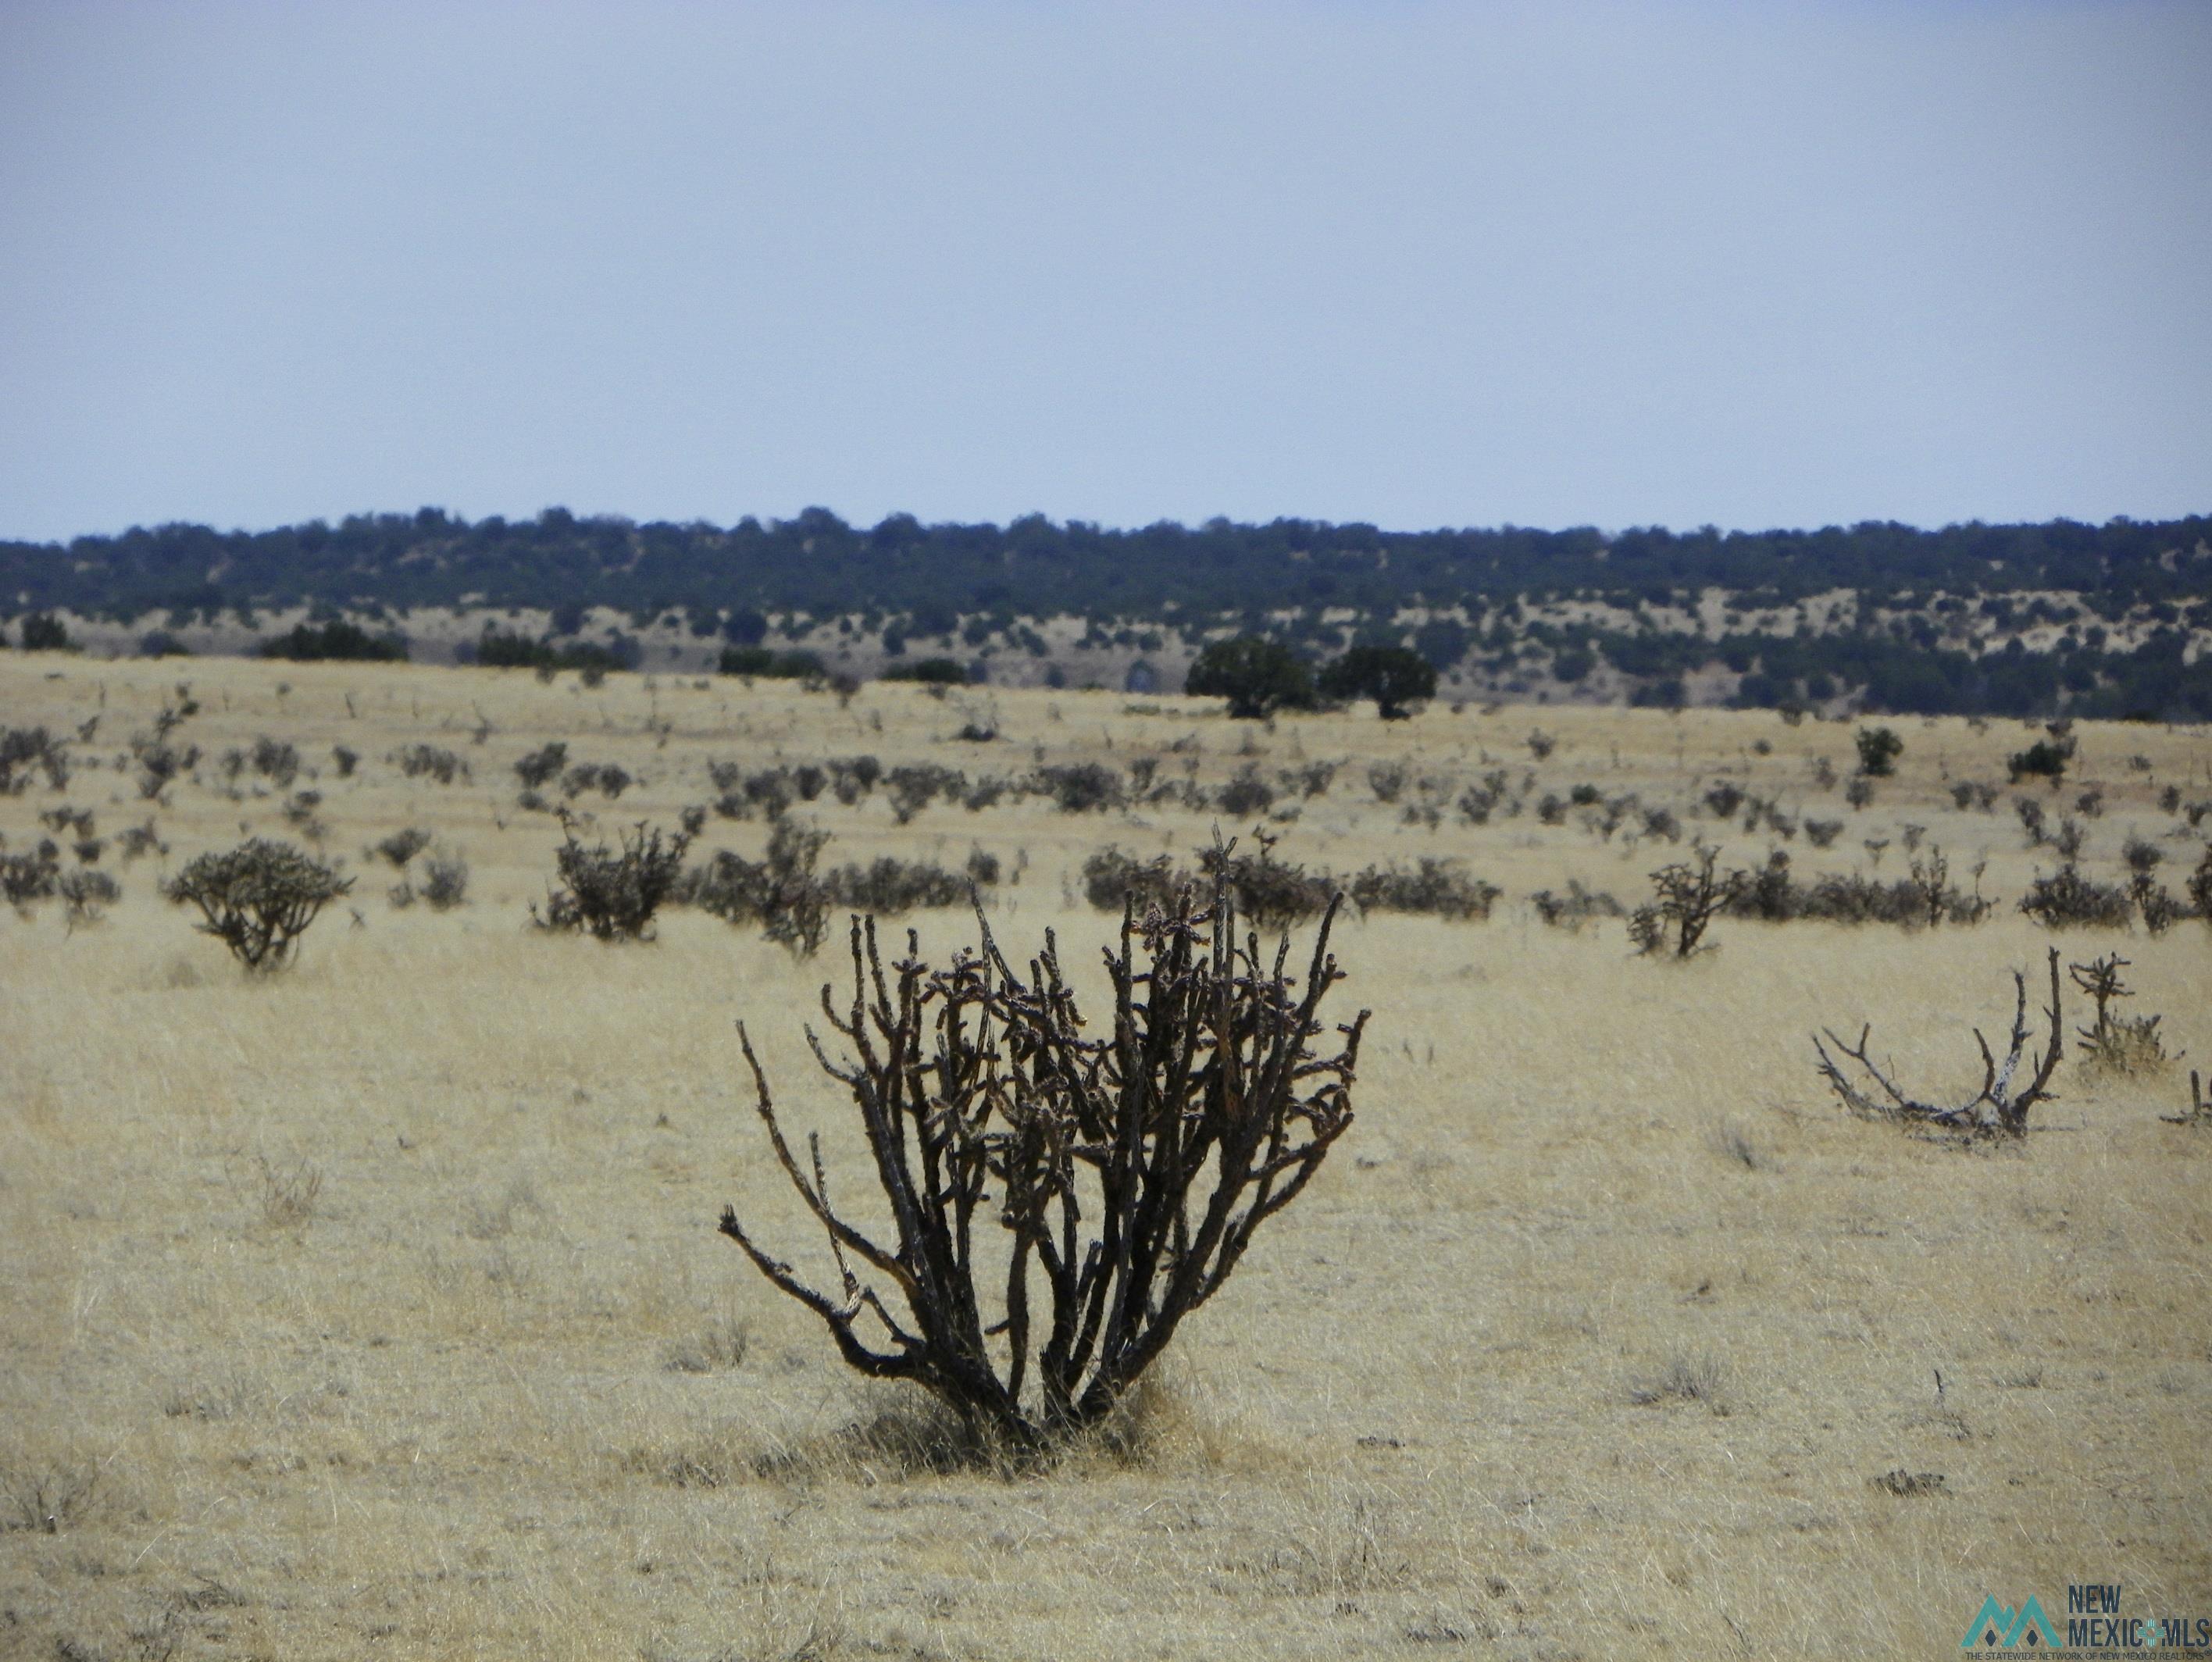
point(2126, 1045)
point(1082, 787)
point(1436, 888)
point(542, 766)
point(257, 899)
point(26, 752)
point(1577, 906)
point(611, 894)
point(429, 762)
point(338, 640)
point(780, 892)
point(2070, 899)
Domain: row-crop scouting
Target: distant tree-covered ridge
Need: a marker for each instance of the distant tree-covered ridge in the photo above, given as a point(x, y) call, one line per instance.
point(2008, 619)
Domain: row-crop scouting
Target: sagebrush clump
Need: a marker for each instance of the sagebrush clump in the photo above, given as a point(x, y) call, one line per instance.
point(257, 899)
point(611, 894)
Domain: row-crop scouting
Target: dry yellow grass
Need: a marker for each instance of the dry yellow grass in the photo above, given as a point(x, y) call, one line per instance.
point(376, 1308)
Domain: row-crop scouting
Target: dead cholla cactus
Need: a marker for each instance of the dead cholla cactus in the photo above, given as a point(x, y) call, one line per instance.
point(2126, 1045)
point(257, 899)
point(611, 894)
point(2200, 1105)
point(2000, 1108)
point(1126, 1174)
point(1686, 896)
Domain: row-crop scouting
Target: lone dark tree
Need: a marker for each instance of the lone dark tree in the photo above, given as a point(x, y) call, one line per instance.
point(1879, 750)
point(257, 899)
point(1126, 1174)
point(1393, 676)
point(1257, 676)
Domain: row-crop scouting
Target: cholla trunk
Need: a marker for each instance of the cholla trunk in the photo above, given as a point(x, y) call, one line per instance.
point(1126, 1176)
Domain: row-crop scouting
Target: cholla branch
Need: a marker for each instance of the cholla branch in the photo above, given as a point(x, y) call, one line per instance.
point(1999, 1108)
point(1126, 1174)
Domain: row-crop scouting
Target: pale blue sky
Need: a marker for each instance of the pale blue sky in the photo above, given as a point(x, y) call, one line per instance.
point(1418, 264)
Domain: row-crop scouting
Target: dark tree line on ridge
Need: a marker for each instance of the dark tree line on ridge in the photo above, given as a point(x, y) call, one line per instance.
point(967, 584)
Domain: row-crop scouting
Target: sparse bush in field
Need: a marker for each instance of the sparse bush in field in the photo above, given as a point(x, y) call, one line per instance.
point(1682, 1380)
point(608, 778)
point(1082, 787)
point(2090, 804)
point(1541, 744)
point(2070, 899)
point(1438, 887)
point(542, 766)
point(887, 887)
point(1686, 896)
point(1971, 793)
point(780, 893)
point(1879, 748)
point(2031, 822)
point(2200, 888)
point(1486, 796)
point(2045, 759)
point(2070, 840)
point(31, 876)
point(982, 867)
point(912, 788)
point(1246, 793)
point(693, 818)
point(1859, 792)
point(809, 780)
point(852, 778)
point(1926, 899)
point(28, 751)
point(766, 664)
point(276, 760)
point(1660, 822)
point(1113, 878)
point(2000, 1108)
point(2128, 1046)
point(1577, 907)
point(2154, 903)
point(404, 845)
point(444, 882)
point(1723, 799)
point(65, 819)
point(983, 792)
point(300, 815)
point(1824, 773)
point(345, 758)
point(611, 894)
point(1387, 779)
point(429, 762)
point(1132, 1168)
point(1308, 780)
point(87, 894)
point(1273, 894)
point(257, 899)
point(136, 840)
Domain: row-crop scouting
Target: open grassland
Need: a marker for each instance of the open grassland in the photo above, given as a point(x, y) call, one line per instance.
point(375, 1308)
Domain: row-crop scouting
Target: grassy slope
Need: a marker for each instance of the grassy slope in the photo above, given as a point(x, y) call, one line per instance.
point(451, 1410)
